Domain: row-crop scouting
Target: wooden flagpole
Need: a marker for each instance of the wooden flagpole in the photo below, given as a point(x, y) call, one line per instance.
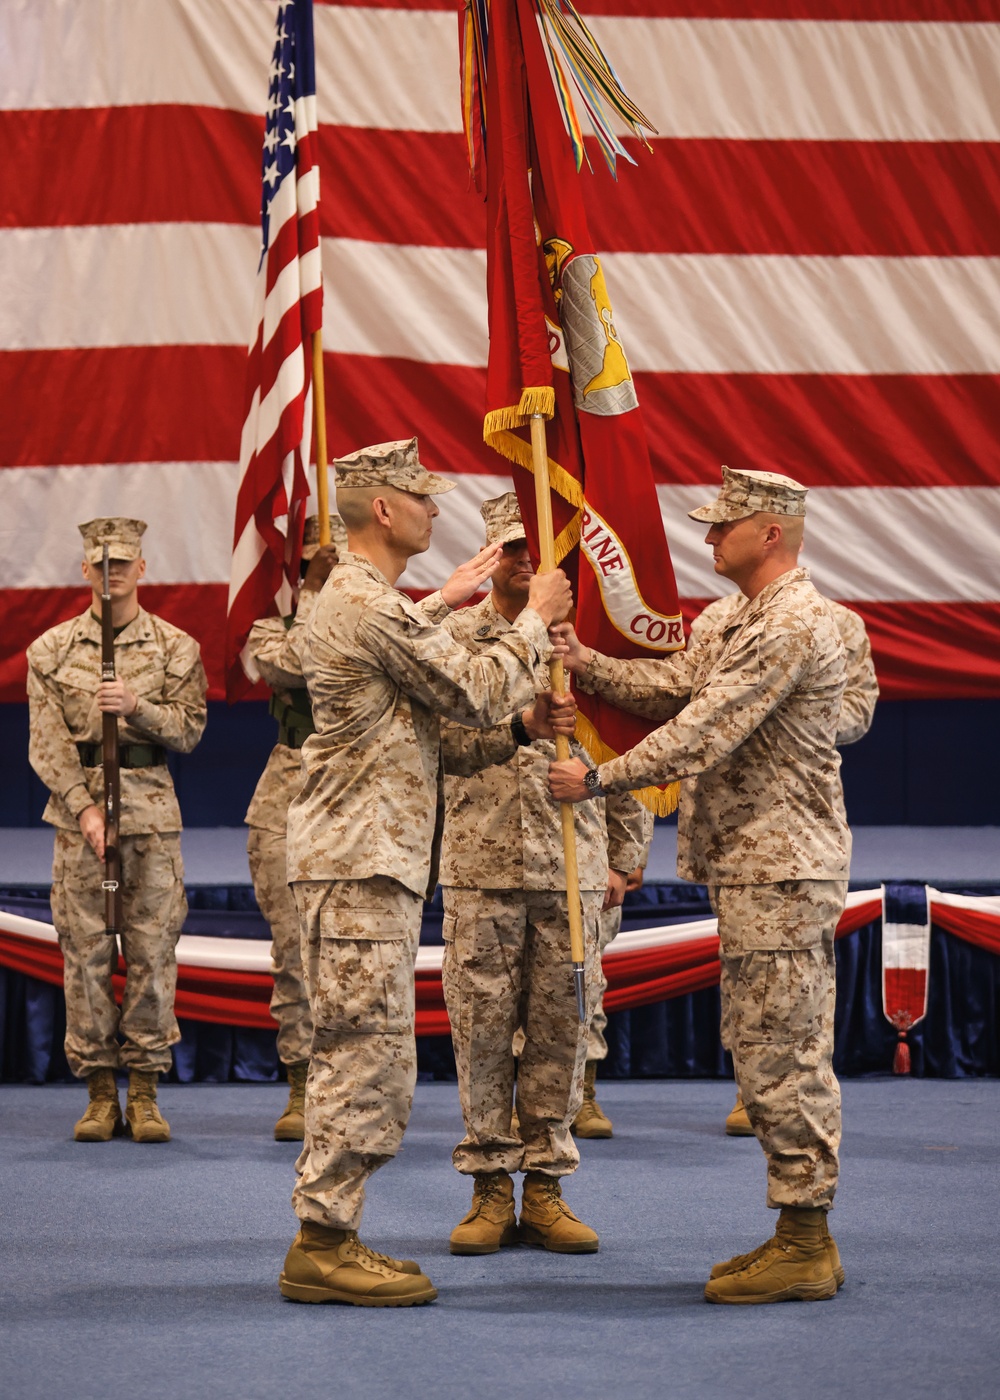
point(319, 418)
point(557, 676)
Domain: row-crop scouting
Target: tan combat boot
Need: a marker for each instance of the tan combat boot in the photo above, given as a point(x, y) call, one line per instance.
point(591, 1121)
point(738, 1122)
point(291, 1126)
point(103, 1118)
point(144, 1120)
point(547, 1220)
point(833, 1252)
point(740, 1261)
point(491, 1222)
point(333, 1266)
point(795, 1264)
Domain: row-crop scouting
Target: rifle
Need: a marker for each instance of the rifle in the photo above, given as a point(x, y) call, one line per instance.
point(111, 884)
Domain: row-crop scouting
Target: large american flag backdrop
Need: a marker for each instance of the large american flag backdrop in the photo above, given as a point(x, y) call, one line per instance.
point(805, 271)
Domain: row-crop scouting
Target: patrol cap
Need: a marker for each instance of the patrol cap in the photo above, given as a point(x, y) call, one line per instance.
point(122, 536)
point(310, 535)
point(745, 493)
point(390, 464)
point(502, 518)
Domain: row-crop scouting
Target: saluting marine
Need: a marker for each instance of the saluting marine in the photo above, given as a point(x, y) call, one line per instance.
point(159, 698)
point(276, 645)
point(506, 931)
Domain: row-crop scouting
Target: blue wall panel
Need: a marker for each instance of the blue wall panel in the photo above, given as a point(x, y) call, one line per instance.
point(924, 763)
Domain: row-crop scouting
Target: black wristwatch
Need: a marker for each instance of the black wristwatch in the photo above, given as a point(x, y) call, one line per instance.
point(592, 782)
point(521, 736)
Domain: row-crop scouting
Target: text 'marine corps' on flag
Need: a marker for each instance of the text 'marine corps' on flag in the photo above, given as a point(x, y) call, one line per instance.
point(288, 309)
point(555, 349)
point(803, 274)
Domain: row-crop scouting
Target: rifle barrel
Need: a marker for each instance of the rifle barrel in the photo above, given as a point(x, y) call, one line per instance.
point(111, 884)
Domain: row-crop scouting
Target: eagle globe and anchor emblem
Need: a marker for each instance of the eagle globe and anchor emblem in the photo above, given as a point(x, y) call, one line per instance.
point(602, 380)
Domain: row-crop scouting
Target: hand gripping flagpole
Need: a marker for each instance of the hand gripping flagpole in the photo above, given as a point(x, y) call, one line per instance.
point(319, 414)
point(557, 676)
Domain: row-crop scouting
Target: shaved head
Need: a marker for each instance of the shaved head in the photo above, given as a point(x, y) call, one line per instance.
point(354, 504)
point(792, 528)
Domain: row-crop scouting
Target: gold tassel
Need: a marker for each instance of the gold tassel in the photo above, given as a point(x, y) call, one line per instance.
point(660, 801)
point(541, 400)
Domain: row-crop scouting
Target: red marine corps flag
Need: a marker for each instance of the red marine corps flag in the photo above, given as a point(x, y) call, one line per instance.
point(288, 311)
point(554, 348)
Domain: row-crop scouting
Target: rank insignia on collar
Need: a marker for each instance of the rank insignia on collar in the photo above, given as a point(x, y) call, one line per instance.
point(483, 631)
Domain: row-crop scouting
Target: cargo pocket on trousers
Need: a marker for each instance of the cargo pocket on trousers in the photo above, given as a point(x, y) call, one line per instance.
point(364, 986)
point(75, 867)
point(451, 981)
point(159, 895)
point(778, 996)
point(57, 894)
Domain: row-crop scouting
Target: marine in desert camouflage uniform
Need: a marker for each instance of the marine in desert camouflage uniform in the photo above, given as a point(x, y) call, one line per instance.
point(592, 1121)
point(159, 695)
point(752, 720)
point(506, 931)
point(857, 710)
point(275, 643)
point(361, 835)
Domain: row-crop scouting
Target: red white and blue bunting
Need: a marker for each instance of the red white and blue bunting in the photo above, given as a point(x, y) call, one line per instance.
point(227, 980)
point(906, 962)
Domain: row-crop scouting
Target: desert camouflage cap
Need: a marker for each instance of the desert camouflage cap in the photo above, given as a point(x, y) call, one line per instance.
point(310, 535)
point(502, 518)
point(390, 464)
point(122, 536)
point(745, 493)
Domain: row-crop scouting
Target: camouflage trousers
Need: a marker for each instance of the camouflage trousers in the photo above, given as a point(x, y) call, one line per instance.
point(289, 1002)
point(154, 907)
point(507, 964)
point(597, 1046)
point(778, 1000)
point(359, 945)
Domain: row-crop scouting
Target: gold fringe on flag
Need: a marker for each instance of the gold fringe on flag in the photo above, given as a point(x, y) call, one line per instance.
point(541, 400)
point(498, 433)
point(660, 801)
point(568, 538)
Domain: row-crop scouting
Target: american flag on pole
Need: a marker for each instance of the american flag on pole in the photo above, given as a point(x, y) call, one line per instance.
point(288, 309)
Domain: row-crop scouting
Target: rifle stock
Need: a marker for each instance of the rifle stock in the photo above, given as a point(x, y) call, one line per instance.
point(111, 883)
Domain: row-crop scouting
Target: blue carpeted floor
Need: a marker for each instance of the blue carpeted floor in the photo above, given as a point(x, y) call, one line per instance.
point(935, 855)
point(151, 1271)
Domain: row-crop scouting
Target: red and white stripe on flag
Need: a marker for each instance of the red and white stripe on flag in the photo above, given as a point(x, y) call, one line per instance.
point(288, 310)
point(906, 960)
point(805, 273)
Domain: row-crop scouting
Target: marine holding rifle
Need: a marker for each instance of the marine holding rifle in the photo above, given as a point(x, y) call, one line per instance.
point(158, 698)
